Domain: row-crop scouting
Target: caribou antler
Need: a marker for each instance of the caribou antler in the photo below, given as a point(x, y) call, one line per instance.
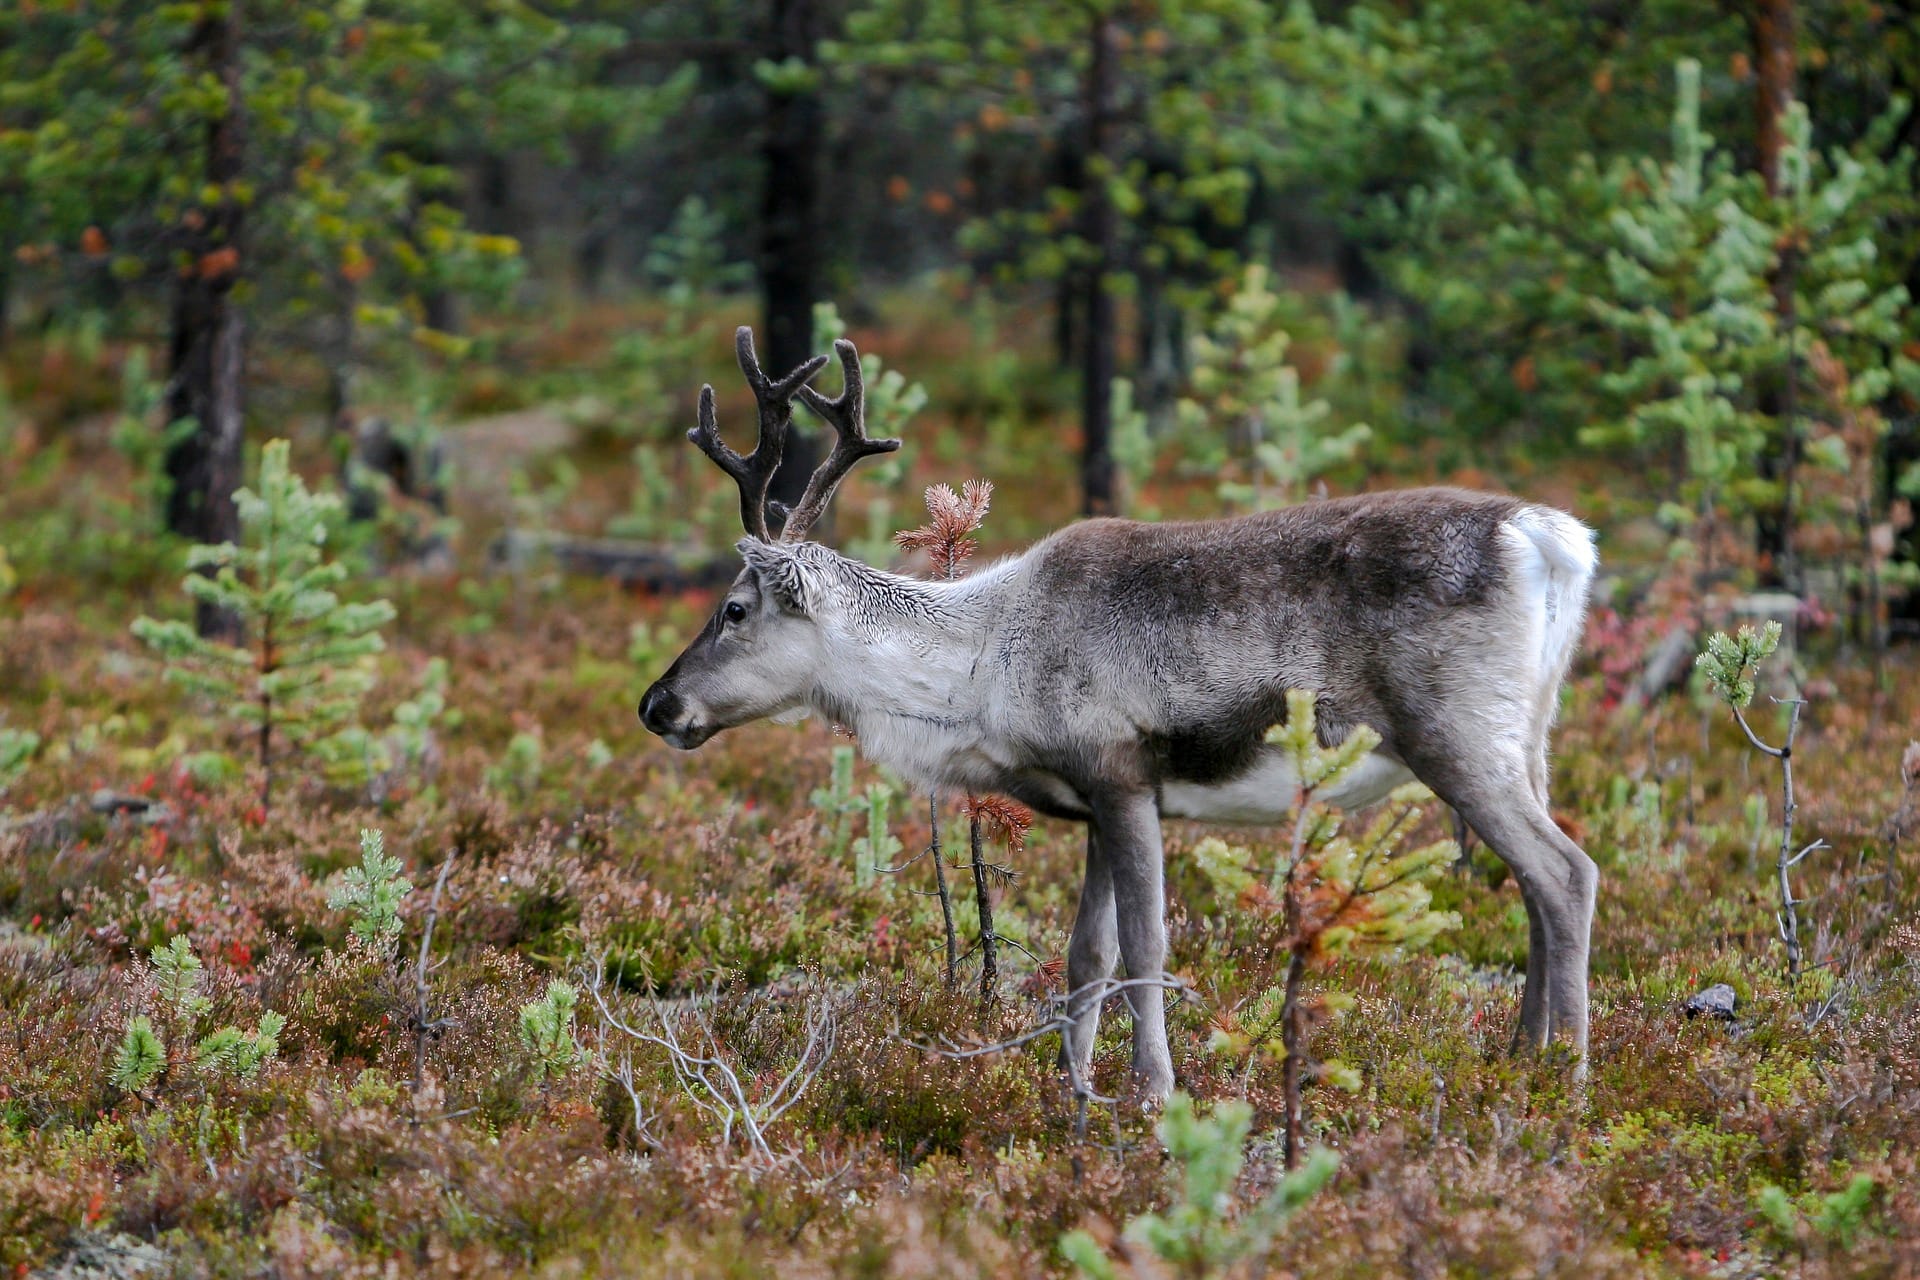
point(755, 471)
point(846, 414)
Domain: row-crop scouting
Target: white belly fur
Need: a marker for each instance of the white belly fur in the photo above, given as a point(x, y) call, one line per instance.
point(1265, 793)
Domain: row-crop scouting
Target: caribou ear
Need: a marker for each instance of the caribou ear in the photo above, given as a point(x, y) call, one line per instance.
point(784, 574)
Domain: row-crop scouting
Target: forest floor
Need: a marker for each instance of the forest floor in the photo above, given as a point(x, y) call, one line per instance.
point(406, 1125)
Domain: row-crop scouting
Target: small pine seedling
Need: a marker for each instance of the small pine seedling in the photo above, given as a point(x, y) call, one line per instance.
point(373, 892)
point(1195, 1235)
point(546, 1030)
point(238, 1054)
point(877, 848)
point(301, 676)
point(139, 1058)
point(176, 979)
point(838, 802)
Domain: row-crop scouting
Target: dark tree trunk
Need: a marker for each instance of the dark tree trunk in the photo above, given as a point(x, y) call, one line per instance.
point(1099, 357)
point(790, 266)
point(1770, 31)
point(207, 361)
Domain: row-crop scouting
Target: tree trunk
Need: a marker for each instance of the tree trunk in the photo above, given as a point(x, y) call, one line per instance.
point(1770, 31)
point(1099, 357)
point(207, 363)
point(789, 266)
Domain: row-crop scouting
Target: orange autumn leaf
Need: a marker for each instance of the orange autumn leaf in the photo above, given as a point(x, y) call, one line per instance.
point(219, 263)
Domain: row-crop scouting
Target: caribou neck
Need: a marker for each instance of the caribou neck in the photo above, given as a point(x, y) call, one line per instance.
point(904, 671)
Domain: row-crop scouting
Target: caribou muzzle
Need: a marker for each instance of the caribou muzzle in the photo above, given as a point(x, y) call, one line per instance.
point(663, 713)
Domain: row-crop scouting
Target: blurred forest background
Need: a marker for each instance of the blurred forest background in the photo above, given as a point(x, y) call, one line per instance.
point(1678, 236)
point(351, 924)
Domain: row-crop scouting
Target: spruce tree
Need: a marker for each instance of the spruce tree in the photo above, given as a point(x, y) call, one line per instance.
point(300, 675)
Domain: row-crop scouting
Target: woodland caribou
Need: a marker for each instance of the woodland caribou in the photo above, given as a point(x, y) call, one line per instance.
point(1118, 673)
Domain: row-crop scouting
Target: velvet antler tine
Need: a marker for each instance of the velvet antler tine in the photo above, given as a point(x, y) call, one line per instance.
point(754, 472)
point(847, 415)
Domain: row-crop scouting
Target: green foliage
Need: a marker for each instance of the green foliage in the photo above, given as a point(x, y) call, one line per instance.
point(518, 769)
point(878, 847)
point(17, 749)
point(1835, 1219)
point(373, 892)
point(1729, 662)
point(415, 718)
point(1197, 1235)
point(546, 1031)
point(1244, 389)
point(174, 982)
point(838, 803)
point(139, 1058)
point(303, 672)
point(238, 1054)
point(177, 973)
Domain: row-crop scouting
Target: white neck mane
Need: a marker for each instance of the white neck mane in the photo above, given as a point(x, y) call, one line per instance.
point(907, 669)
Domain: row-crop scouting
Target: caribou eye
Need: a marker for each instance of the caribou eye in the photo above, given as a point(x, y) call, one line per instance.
point(734, 611)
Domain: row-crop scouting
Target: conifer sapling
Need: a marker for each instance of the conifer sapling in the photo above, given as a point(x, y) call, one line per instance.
point(301, 675)
point(373, 892)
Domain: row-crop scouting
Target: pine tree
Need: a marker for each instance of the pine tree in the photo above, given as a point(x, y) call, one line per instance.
point(301, 675)
point(1244, 388)
point(1336, 894)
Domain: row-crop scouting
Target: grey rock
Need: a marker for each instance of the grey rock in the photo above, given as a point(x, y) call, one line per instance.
point(145, 810)
point(1716, 1001)
point(93, 1255)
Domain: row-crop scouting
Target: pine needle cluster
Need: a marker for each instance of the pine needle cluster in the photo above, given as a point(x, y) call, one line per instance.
point(953, 519)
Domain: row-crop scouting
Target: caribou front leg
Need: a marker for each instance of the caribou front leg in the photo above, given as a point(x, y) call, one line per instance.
point(1091, 954)
point(1127, 828)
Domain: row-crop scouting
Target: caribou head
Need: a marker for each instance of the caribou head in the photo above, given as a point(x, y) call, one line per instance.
point(759, 653)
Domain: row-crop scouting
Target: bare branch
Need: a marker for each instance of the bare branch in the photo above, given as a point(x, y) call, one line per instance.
point(1065, 1011)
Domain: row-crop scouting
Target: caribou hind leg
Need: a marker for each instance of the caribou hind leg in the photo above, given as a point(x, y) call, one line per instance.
point(1492, 785)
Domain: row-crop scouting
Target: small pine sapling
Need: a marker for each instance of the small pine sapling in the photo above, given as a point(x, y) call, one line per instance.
point(1338, 894)
point(239, 1054)
point(1730, 664)
point(414, 719)
point(302, 673)
point(172, 982)
point(176, 980)
point(1197, 1236)
point(519, 767)
point(546, 1031)
point(373, 892)
point(838, 803)
point(139, 1058)
point(999, 820)
point(877, 848)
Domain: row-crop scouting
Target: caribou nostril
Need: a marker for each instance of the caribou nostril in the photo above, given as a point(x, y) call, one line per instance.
point(659, 709)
